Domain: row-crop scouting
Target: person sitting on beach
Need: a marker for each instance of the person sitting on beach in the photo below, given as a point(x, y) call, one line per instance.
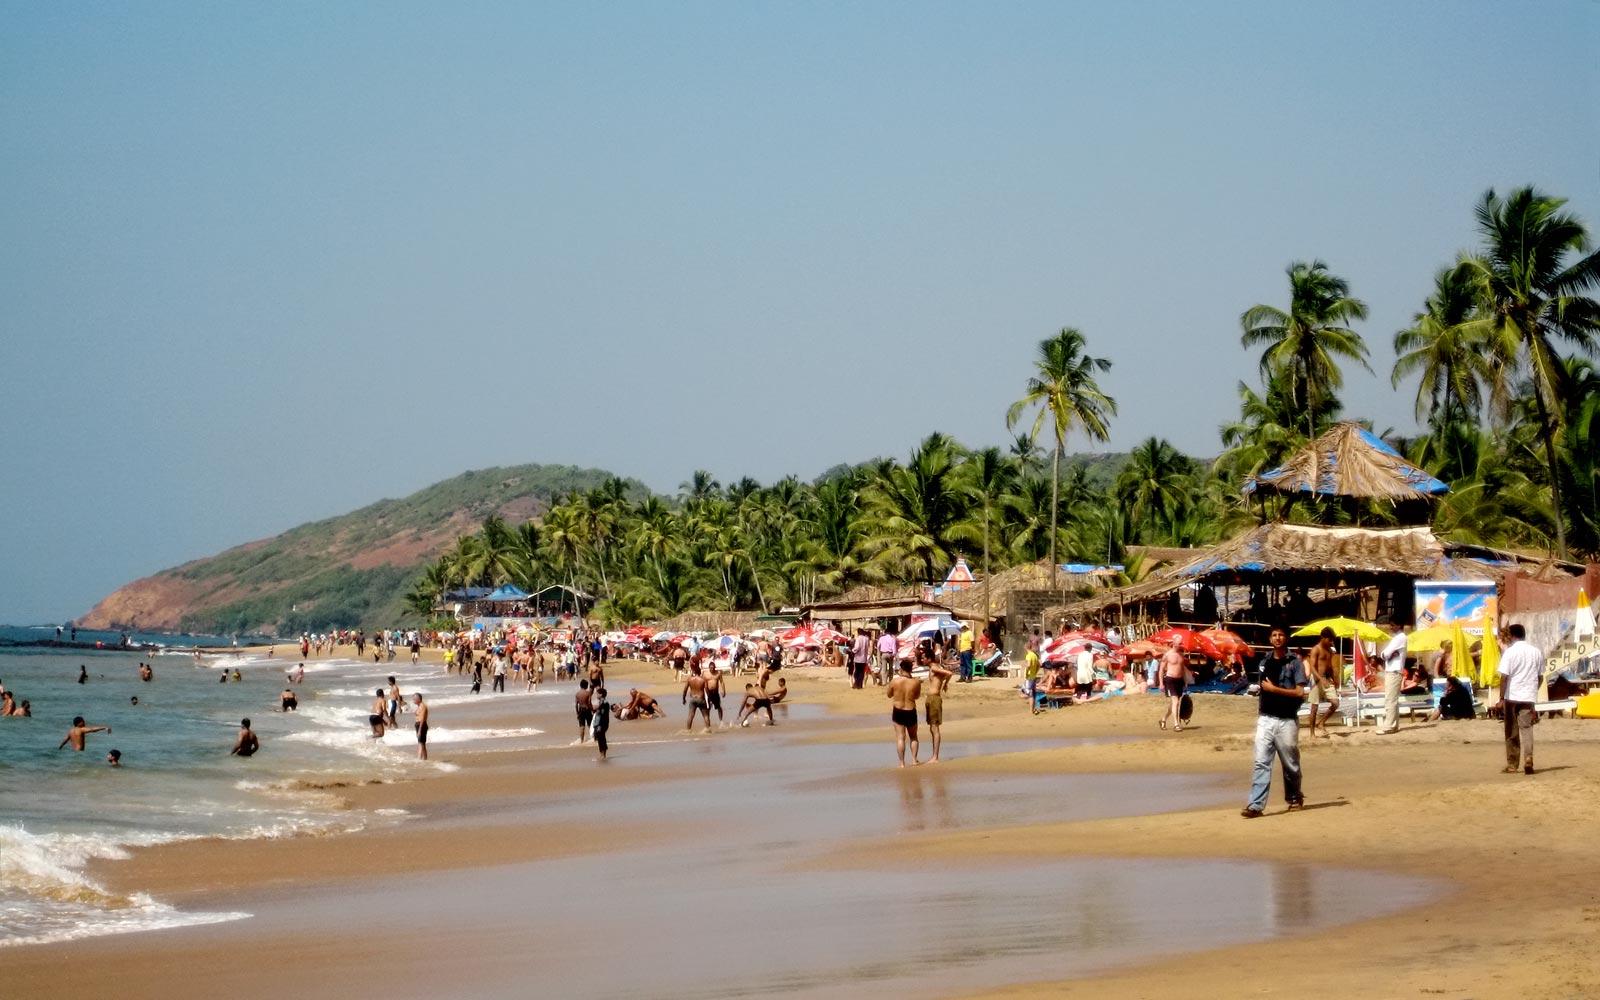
point(379, 708)
point(1414, 679)
point(247, 743)
point(114, 758)
point(1456, 702)
point(78, 731)
point(288, 700)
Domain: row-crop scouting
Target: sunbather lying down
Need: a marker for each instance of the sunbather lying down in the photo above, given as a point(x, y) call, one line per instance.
point(638, 706)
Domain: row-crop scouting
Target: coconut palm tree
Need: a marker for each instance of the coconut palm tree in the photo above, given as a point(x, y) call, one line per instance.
point(987, 476)
point(1155, 486)
point(1306, 342)
point(1441, 347)
point(1531, 277)
point(1064, 392)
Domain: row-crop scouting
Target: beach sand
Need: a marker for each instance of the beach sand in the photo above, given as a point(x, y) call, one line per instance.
point(493, 855)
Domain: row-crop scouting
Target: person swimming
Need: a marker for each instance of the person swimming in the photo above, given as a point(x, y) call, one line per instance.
point(288, 700)
point(247, 744)
point(114, 758)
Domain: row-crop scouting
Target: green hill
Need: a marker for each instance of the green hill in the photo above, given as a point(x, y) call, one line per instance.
point(343, 570)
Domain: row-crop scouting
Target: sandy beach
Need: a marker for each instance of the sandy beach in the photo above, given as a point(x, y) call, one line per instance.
point(1417, 869)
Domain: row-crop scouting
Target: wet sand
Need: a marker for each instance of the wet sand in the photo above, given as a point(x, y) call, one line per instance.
point(1082, 853)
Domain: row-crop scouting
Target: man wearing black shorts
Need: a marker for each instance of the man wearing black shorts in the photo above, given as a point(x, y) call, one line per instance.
point(903, 693)
point(421, 726)
point(585, 709)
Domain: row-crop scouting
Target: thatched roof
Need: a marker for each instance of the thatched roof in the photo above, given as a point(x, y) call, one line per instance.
point(1028, 576)
point(875, 592)
point(711, 621)
point(1349, 461)
point(1155, 554)
point(1278, 547)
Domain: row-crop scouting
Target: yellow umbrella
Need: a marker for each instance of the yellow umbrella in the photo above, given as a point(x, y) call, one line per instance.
point(1344, 628)
point(1460, 652)
point(1426, 639)
point(1489, 658)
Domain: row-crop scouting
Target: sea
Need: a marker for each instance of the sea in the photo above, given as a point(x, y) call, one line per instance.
point(62, 810)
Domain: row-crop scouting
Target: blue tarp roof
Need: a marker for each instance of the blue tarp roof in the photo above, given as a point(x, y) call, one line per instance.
point(507, 593)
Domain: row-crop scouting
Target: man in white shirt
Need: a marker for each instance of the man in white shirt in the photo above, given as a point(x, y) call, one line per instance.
point(1393, 656)
point(1521, 666)
point(1083, 674)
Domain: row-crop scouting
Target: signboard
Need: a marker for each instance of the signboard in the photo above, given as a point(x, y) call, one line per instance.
point(1567, 657)
point(1449, 602)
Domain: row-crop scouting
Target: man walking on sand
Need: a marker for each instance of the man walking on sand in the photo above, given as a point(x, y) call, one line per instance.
point(1322, 665)
point(933, 704)
point(903, 693)
point(1521, 667)
point(860, 651)
point(1283, 689)
point(1174, 680)
point(1393, 656)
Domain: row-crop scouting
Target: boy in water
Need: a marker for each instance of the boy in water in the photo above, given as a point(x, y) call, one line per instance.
point(78, 731)
point(114, 758)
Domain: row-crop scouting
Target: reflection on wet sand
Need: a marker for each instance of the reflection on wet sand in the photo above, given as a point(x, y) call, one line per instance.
point(775, 814)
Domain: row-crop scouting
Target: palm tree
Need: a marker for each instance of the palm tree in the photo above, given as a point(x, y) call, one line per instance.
point(1440, 346)
point(1530, 278)
point(917, 510)
point(1063, 389)
point(988, 476)
point(1155, 485)
point(1305, 342)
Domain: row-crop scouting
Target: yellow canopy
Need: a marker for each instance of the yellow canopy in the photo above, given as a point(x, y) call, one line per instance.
point(1427, 639)
point(1489, 658)
point(1344, 628)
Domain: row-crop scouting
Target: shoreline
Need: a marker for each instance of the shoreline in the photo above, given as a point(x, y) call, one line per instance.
point(1455, 807)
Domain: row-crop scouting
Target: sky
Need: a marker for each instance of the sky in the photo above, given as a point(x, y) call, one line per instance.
point(266, 263)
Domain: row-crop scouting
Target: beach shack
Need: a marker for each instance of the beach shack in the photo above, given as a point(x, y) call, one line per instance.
point(874, 608)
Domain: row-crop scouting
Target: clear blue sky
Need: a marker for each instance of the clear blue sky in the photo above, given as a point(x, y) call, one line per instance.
point(269, 262)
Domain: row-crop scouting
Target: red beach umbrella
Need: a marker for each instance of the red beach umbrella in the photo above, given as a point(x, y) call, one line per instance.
point(1189, 641)
point(1228, 642)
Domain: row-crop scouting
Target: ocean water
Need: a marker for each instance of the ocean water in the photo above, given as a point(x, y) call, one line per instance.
point(62, 810)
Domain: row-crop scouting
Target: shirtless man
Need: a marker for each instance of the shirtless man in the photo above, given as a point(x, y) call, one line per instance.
point(1174, 678)
point(781, 693)
point(287, 701)
point(145, 673)
point(583, 703)
point(247, 743)
point(933, 706)
point(78, 731)
point(694, 695)
point(903, 693)
point(396, 700)
point(1322, 663)
point(380, 709)
point(716, 687)
point(421, 725)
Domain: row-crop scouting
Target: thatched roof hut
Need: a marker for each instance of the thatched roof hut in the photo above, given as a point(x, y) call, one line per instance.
point(1349, 461)
point(1028, 577)
point(711, 621)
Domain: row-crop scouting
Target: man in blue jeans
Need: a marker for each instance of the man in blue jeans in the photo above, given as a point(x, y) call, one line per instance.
point(1283, 689)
